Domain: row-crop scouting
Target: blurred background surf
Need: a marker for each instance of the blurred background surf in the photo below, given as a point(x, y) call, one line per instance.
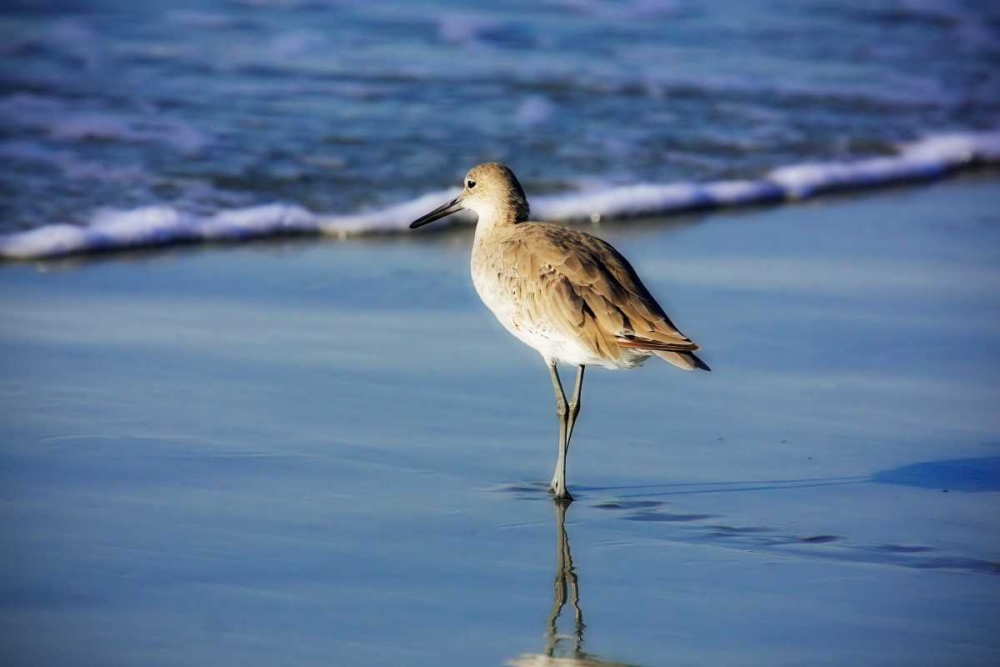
point(132, 115)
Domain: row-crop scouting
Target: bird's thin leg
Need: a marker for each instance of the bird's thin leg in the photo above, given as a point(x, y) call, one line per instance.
point(558, 485)
point(572, 410)
point(574, 404)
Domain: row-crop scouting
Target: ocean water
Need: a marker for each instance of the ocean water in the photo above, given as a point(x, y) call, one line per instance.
point(125, 124)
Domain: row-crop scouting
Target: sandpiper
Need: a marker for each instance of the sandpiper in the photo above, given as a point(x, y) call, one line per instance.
point(565, 293)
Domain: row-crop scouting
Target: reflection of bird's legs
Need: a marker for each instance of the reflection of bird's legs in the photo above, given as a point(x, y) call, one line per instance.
point(565, 574)
point(567, 414)
point(569, 573)
point(552, 637)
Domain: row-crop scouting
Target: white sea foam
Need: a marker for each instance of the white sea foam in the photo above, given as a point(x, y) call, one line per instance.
point(806, 180)
point(926, 159)
point(650, 199)
point(931, 157)
point(391, 219)
point(257, 221)
point(957, 148)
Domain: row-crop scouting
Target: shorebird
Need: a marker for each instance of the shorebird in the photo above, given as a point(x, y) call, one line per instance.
point(567, 294)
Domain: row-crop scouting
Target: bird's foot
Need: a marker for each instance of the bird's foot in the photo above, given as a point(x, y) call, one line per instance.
point(561, 495)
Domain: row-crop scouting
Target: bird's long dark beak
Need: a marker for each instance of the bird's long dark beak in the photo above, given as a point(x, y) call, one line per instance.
point(454, 206)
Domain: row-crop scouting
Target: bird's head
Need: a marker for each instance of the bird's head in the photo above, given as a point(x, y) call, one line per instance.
point(490, 190)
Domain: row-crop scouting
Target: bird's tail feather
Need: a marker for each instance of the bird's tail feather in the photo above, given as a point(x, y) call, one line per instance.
point(684, 360)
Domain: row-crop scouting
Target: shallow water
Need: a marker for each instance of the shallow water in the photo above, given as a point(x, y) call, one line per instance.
point(329, 453)
point(110, 106)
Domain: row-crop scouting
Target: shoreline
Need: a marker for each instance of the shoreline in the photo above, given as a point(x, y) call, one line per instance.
point(929, 160)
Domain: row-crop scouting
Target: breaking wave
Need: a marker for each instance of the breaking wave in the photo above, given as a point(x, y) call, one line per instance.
point(930, 158)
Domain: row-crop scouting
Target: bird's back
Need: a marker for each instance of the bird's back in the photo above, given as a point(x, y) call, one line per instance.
point(574, 298)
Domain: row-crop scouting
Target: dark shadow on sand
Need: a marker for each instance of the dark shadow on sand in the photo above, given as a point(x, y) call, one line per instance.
point(690, 488)
point(967, 475)
point(694, 527)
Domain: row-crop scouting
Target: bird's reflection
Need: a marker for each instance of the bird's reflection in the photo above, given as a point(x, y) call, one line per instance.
point(564, 650)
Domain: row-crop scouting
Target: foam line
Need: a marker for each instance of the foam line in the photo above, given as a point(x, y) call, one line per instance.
point(930, 158)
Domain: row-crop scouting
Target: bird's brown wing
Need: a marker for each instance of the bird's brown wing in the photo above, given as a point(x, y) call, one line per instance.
point(582, 286)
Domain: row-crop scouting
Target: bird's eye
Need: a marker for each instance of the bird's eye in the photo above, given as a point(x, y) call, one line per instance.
point(470, 184)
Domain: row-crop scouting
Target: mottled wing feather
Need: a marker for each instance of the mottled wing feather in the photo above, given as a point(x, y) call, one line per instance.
point(579, 285)
point(646, 317)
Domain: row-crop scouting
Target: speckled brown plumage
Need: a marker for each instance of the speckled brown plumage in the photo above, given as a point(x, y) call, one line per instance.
point(565, 282)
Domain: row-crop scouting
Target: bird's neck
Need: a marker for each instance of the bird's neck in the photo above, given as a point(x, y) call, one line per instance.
point(495, 218)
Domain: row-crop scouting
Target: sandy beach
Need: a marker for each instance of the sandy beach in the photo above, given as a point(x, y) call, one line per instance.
point(321, 452)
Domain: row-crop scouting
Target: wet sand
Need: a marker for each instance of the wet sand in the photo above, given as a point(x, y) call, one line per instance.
point(329, 453)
